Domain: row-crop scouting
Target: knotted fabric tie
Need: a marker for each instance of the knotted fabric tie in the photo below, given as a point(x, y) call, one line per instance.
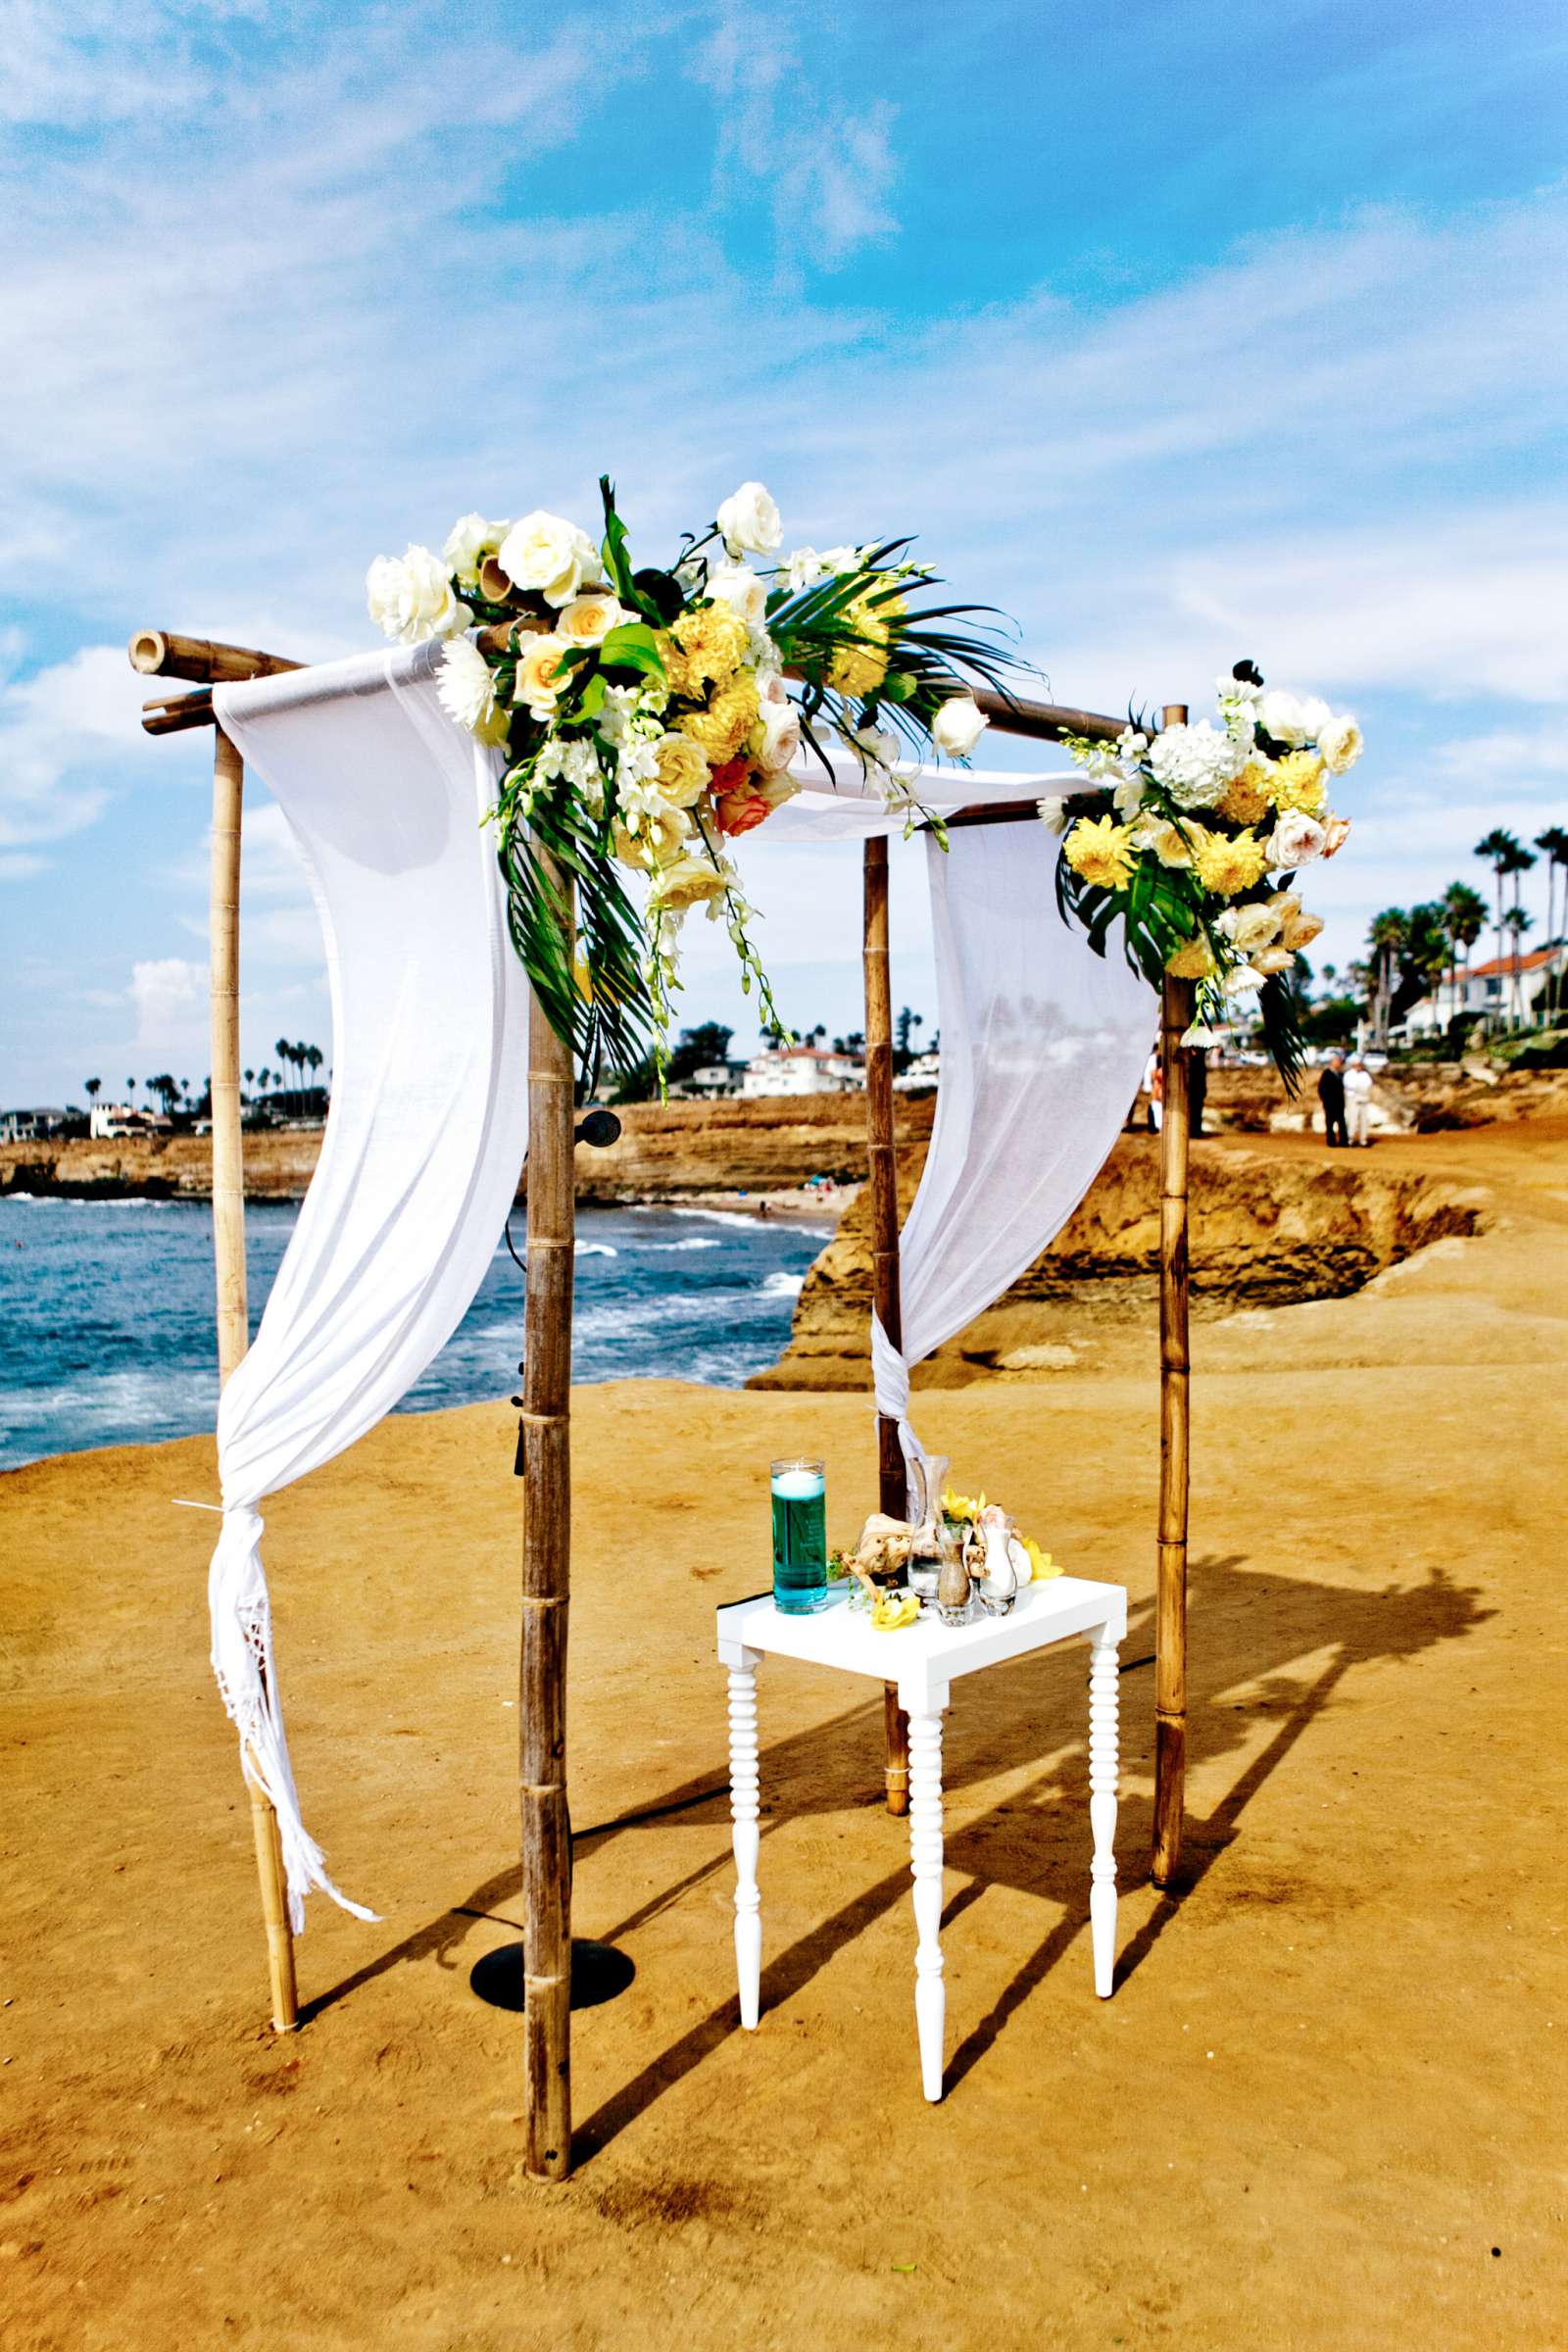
point(890, 1373)
point(242, 1660)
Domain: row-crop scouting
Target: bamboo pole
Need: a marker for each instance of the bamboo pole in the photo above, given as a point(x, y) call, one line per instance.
point(1170, 1600)
point(882, 1170)
point(546, 1590)
point(229, 1253)
point(160, 654)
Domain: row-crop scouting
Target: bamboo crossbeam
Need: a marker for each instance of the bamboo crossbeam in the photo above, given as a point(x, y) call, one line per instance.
point(228, 1253)
point(1176, 1005)
point(177, 713)
point(546, 1592)
point(160, 654)
point(882, 1171)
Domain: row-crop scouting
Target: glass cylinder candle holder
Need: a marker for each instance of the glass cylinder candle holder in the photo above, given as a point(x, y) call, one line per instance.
point(800, 1537)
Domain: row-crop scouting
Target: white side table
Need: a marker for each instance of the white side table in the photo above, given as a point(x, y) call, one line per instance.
point(925, 1659)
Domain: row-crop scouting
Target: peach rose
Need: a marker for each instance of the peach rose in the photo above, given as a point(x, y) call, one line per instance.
point(742, 811)
point(1336, 833)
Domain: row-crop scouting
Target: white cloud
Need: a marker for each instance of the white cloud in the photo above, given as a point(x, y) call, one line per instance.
point(169, 996)
point(58, 730)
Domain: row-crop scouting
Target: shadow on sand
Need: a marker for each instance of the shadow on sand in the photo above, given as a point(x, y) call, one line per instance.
point(1266, 1648)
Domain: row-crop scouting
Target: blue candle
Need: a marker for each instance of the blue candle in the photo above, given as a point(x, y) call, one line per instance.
point(800, 1537)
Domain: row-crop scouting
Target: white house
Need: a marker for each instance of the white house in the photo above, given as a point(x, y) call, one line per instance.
point(1487, 990)
point(23, 1126)
point(923, 1073)
point(803, 1070)
point(123, 1119)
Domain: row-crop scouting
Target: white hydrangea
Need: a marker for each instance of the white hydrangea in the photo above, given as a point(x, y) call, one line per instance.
point(1195, 764)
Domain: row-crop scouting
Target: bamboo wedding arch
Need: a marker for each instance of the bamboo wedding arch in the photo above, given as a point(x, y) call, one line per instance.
point(545, 1837)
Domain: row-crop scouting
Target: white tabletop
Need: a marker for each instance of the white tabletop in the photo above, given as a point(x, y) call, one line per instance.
point(922, 1658)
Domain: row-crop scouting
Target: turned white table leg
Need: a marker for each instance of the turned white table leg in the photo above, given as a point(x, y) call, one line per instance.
point(1105, 1699)
point(743, 1814)
point(926, 1862)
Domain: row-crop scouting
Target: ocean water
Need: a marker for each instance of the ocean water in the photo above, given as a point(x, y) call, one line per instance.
point(106, 1313)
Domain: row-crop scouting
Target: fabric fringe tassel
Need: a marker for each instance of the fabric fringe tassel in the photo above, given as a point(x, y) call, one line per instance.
point(247, 1678)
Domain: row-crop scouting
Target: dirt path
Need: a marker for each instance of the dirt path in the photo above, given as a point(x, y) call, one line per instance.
point(1323, 2109)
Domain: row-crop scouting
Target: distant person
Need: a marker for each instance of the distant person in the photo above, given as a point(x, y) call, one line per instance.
point(1331, 1094)
point(1155, 1089)
point(1197, 1086)
point(1358, 1102)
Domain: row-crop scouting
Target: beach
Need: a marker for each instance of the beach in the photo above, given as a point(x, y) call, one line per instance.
point(1322, 2108)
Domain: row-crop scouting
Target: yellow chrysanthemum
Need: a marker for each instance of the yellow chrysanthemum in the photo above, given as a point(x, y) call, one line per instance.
point(1229, 863)
point(1101, 850)
point(1248, 794)
point(1194, 961)
point(705, 647)
point(723, 729)
point(962, 1506)
point(859, 670)
point(1300, 782)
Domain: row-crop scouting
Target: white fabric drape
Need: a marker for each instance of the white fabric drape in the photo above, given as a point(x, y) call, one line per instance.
point(420, 1158)
point(1043, 1046)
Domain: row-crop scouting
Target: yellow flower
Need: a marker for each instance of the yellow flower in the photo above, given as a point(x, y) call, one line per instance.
point(705, 647)
point(723, 729)
point(1101, 849)
point(962, 1506)
point(682, 770)
point(1248, 794)
point(690, 882)
point(859, 669)
point(540, 677)
point(1172, 844)
point(1194, 961)
point(891, 1610)
point(589, 617)
point(656, 840)
point(1044, 1566)
point(1228, 863)
point(1298, 782)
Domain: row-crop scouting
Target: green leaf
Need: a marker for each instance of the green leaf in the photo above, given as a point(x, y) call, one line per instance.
point(633, 646)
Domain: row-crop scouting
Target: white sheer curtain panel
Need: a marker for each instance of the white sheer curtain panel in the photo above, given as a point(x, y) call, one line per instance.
point(420, 1163)
point(1043, 1047)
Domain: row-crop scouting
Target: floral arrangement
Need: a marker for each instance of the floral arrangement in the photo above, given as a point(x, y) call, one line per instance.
point(648, 718)
point(1195, 835)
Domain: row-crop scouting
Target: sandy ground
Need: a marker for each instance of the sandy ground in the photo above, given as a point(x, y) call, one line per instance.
point(1323, 2108)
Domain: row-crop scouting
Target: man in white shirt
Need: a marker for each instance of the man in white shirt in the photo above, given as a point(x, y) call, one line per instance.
point(1358, 1102)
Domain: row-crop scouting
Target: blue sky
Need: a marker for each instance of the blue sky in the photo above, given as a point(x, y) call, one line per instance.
point(1181, 332)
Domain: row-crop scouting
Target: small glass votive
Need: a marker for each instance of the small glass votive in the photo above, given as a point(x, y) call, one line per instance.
point(800, 1537)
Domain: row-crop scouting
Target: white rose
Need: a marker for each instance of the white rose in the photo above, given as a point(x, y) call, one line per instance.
point(1340, 743)
point(1316, 717)
point(958, 726)
point(466, 690)
point(1295, 840)
point(770, 686)
point(748, 521)
point(1281, 716)
point(468, 541)
point(781, 736)
point(547, 555)
point(1250, 928)
point(742, 589)
point(411, 599)
point(1127, 798)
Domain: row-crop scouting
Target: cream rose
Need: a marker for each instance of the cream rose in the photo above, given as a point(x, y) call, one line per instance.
point(1336, 833)
point(748, 521)
point(958, 726)
point(539, 677)
point(1341, 744)
point(468, 541)
point(690, 882)
point(781, 736)
point(1252, 927)
point(1300, 930)
point(589, 618)
point(656, 840)
point(742, 589)
point(681, 771)
point(411, 597)
point(548, 557)
point(1273, 959)
point(1295, 840)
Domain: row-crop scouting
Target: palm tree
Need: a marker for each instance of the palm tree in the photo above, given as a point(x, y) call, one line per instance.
point(1388, 939)
point(1519, 861)
point(313, 1059)
point(130, 1087)
point(92, 1088)
point(285, 1052)
point(1553, 847)
point(1464, 915)
point(1517, 921)
point(1496, 846)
